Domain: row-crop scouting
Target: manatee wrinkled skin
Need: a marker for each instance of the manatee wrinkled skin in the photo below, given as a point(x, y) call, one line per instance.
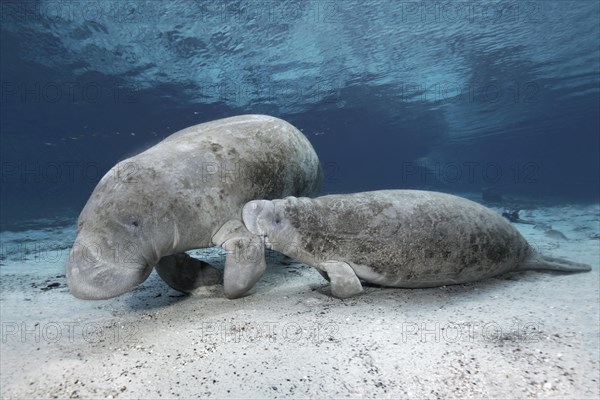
point(184, 193)
point(396, 238)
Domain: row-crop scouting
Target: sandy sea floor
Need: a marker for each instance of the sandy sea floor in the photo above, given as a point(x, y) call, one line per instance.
point(525, 335)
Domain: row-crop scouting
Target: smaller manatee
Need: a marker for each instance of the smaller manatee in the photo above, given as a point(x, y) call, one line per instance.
point(396, 238)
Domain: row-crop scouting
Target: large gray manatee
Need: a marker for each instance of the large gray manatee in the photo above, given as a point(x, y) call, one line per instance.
point(398, 238)
point(184, 193)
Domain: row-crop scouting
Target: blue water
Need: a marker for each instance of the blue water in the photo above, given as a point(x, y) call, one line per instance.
point(456, 97)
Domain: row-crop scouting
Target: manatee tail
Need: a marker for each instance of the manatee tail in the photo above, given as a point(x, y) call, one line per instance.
point(540, 262)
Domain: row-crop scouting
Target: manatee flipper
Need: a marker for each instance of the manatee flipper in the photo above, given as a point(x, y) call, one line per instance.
point(541, 262)
point(185, 273)
point(245, 260)
point(344, 282)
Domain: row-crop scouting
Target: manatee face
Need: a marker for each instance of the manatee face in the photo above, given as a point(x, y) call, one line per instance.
point(99, 268)
point(259, 217)
point(269, 219)
point(117, 242)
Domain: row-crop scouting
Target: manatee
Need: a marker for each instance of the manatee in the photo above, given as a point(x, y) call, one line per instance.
point(396, 238)
point(187, 192)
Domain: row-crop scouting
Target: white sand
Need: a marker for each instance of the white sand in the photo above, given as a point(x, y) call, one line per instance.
point(527, 335)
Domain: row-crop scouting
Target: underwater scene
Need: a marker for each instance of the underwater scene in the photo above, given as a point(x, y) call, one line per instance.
point(300, 199)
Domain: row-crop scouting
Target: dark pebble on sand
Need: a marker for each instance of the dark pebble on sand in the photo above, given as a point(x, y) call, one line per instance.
point(52, 285)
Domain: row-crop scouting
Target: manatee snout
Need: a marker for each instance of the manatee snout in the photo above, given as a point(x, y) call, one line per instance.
point(97, 272)
point(259, 216)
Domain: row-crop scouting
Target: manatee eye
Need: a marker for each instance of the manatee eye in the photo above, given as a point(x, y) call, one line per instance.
point(134, 222)
point(278, 218)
